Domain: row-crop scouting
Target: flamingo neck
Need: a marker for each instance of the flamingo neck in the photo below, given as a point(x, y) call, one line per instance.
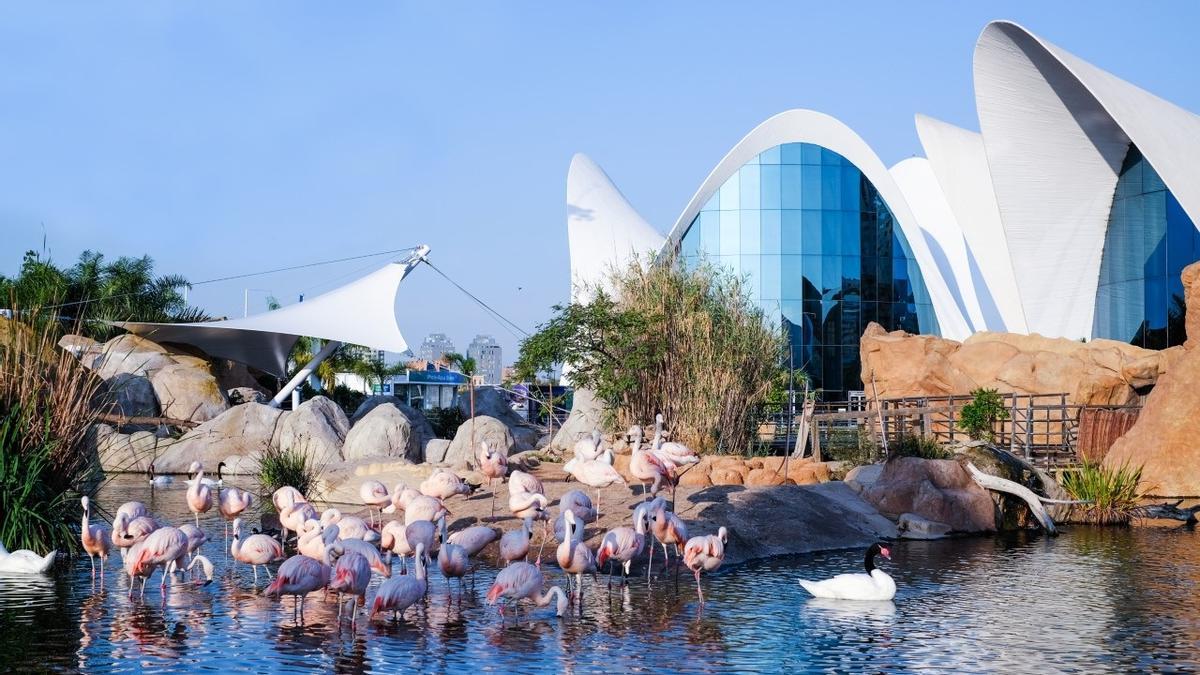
point(543, 599)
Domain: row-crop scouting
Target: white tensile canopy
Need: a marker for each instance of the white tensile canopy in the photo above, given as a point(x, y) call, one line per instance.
point(365, 311)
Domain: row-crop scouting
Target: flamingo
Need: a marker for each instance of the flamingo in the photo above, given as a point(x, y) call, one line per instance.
point(258, 549)
point(595, 473)
point(528, 505)
point(402, 496)
point(646, 466)
point(298, 576)
point(452, 558)
point(351, 527)
point(315, 539)
point(580, 503)
point(294, 516)
point(522, 581)
point(205, 564)
point(574, 557)
point(24, 561)
point(667, 528)
point(199, 493)
point(375, 496)
point(705, 553)
point(677, 453)
point(443, 484)
point(195, 537)
point(623, 544)
point(424, 508)
point(404, 539)
point(401, 592)
point(474, 539)
point(231, 502)
point(589, 448)
point(157, 480)
point(514, 545)
point(96, 539)
point(128, 531)
point(286, 496)
point(165, 548)
point(130, 510)
point(374, 560)
point(351, 575)
point(493, 465)
point(520, 481)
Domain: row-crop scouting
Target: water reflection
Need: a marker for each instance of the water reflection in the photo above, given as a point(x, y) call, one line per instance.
point(1091, 600)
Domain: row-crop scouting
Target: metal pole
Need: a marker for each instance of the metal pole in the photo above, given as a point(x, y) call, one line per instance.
point(329, 348)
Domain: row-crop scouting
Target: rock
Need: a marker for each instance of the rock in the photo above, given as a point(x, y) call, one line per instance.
point(492, 402)
point(912, 526)
point(317, 428)
point(240, 395)
point(940, 490)
point(861, 477)
point(762, 477)
point(422, 430)
point(1099, 372)
point(436, 449)
point(127, 395)
point(725, 476)
point(188, 391)
point(234, 375)
point(587, 413)
point(129, 453)
point(489, 429)
point(130, 354)
point(1191, 299)
point(695, 478)
point(383, 432)
point(83, 348)
point(242, 432)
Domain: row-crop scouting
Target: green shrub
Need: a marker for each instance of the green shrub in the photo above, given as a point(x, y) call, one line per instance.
point(278, 467)
point(978, 418)
point(1113, 492)
point(36, 516)
point(912, 445)
point(445, 421)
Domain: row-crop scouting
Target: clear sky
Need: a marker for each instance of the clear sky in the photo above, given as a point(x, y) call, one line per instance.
point(230, 137)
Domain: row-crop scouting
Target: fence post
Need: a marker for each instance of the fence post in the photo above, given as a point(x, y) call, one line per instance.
point(953, 422)
point(1012, 427)
point(1029, 428)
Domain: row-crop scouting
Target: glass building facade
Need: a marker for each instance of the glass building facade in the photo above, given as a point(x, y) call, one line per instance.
point(822, 253)
point(1148, 243)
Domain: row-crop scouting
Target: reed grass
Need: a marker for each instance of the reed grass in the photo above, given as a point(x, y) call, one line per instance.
point(1112, 492)
point(279, 467)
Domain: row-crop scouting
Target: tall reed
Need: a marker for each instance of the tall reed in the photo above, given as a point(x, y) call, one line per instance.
point(1112, 492)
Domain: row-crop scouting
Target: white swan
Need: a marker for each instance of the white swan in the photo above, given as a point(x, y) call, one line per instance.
point(24, 562)
point(874, 585)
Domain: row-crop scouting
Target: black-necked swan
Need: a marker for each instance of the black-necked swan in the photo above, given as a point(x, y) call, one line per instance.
point(874, 585)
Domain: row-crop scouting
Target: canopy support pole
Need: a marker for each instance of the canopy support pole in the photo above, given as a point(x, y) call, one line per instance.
point(326, 351)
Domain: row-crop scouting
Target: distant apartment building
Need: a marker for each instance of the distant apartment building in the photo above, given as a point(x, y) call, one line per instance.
point(435, 346)
point(489, 359)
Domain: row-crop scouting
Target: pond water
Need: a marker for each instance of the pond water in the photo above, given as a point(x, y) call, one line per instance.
point(1089, 601)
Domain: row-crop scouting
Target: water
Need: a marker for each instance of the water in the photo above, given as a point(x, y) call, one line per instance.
point(1089, 601)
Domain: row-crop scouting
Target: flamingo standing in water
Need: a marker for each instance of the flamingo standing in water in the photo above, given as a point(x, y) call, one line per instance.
point(623, 544)
point(514, 545)
point(199, 493)
point(667, 528)
point(128, 531)
point(422, 507)
point(474, 539)
point(493, 465)
point(258, 549)
point(96, 539)
point(401, 592)
point(165, 548)
point(574, 557)
point(522, 581)
point(231, 502)
point(294, 516)
point(298, 576)
point(375, 496)
point(452, 559)
point(351, 576)
point(195, 536)
point(705, 553)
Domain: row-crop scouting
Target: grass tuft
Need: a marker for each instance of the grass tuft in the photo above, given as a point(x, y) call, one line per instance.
point(1113, 492)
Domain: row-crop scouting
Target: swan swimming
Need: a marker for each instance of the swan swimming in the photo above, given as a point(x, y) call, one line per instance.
point(875, 584)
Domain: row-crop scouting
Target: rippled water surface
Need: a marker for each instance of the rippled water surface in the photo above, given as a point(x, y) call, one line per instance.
point(1091, 600)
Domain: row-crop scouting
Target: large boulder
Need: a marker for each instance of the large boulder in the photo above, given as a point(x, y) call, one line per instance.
point(127, 395)
point(940, 490)
point(129, 453)
point(422, 430)
point(491, 402)
point(242, 431)
point(130, 354)
point(1100, 372)
point(489, 429)
point(234, 375)
point(83, 348)
point(382, 432)
point(436, 449)
point(318, 429)
point(188, 391)
point(587, 413)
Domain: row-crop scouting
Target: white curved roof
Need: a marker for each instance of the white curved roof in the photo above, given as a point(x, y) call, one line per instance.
point(365, 311)
point(809, 126)
point(604, 231)
point(1056, 130)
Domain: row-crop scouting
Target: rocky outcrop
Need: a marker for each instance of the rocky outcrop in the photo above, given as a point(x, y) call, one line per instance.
point(382, 432)
point(937, 490)
point(1100, 372)
point(422, 430)
point(188, 391)
point(83, 348)
point(587, 412)
point(243, 431)
point(130, 453)
point(490, 429)
point(318, 429)
point(129, 354)
point(127, 395)
point(240, 395)
point(494, 403)
point(436, 449)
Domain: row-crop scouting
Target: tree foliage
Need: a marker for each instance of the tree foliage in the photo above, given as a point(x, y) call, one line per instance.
point(686, 341)
point(978, 418)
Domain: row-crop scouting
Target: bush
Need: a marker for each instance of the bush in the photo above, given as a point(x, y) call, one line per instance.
point(278, 467)
point(854, 446)
point(978, 418)
point(446, 421)
point(1112, 492)
point(912, 445)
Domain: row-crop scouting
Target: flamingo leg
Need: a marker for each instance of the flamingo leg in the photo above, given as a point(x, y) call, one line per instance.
point(493, 515)
point(92, 558)
point(699, 592)
point(255, 567)
point(650, 564)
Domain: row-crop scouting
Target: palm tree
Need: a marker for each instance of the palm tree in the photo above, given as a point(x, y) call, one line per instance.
point(466, 365)
point(375, 370)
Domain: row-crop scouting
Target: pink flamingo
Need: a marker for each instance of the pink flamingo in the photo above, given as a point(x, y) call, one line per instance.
point(96, 539)
point(589, 448)
point(677, 453)
point(528, 505)
point(351, 527)
point(286, 496)
point(403, 540)
point(422, 507)
point(131, 510)
point(597, 474)
point(444, 484)
point(315, 539)
point(199, 493)
point(522, 581)
point(165, 548)
point(258, 549)
point(514, 545)
point(401, 497)
point(453, 559)
point(401, 592)
point(474, 539)
point(128, 531)
point(231, 502)
point(294, 516)
point(351, 575)
point(705, 553)
point(667, 528)
point(298, 576)
point(375, 496)
point(519, 481)
point(623, 544)
point(574, 557)
point(645, 466)
point(195, 536)
point(368, 551)
point(580, 503)
point(493, 465)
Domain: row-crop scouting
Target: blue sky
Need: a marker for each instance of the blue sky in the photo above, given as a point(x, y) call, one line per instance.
point(230, 137)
